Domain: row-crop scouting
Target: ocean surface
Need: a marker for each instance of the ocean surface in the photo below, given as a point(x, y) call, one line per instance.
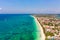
point(17, 27)
point(58, 16)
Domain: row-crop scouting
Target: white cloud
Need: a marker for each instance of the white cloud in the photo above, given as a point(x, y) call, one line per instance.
point(0, 8)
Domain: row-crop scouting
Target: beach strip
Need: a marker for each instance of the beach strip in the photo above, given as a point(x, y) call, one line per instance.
point(40, 34)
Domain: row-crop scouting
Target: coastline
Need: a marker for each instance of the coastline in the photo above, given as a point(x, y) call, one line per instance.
point(40, 29)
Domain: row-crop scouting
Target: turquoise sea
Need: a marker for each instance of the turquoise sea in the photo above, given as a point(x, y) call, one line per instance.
point(17, 27)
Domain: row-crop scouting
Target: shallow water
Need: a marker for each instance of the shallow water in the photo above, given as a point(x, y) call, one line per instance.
point(17, 27)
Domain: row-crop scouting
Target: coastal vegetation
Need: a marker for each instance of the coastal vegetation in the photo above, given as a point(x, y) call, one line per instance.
point(50, 25)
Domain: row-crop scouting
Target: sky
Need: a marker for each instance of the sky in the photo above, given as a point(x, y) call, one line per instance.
point(29, 6)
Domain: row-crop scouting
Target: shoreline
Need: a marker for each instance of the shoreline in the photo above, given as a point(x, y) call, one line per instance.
point(40, 29)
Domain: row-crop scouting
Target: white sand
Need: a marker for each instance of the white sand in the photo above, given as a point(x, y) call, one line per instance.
point(40, 34)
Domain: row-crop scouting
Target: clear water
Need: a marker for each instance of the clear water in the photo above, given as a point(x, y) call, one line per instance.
point(17, 27)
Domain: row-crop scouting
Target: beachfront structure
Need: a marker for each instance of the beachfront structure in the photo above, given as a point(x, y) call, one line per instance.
point(51, 26)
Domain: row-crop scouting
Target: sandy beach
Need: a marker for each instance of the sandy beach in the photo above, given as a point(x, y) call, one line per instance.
point(40, 34)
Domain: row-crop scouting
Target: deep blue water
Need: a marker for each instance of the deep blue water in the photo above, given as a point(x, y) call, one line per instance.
point(17, 27)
